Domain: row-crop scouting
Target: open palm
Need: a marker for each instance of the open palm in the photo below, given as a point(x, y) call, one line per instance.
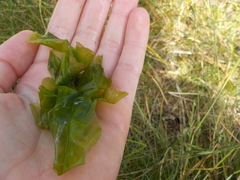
point(27, 153)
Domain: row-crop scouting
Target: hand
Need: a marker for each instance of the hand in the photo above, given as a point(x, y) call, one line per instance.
point(27, 153)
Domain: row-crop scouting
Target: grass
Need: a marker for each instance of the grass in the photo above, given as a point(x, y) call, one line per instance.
point(186, 119)
point(17, 15)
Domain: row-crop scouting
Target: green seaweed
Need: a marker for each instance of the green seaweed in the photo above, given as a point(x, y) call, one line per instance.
point(68, 99)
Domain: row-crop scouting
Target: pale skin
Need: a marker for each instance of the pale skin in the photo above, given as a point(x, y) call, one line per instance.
point(27, 152)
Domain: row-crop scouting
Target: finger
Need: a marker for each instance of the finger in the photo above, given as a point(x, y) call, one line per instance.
point(63, 23)
point(127, 72)
point(16, 55)
point(112, 40)
point(129, 67)
point(91, 24)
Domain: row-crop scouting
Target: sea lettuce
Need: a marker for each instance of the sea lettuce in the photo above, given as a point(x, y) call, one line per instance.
point(68, 99)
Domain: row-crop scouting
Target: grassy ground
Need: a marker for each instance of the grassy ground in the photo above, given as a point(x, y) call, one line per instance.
point(186, 116)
